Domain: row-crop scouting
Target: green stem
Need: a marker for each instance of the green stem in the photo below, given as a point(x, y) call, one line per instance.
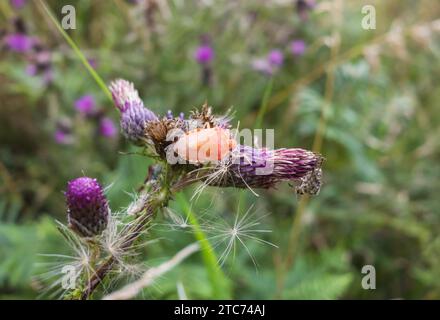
point(77, 51)
point(264, 104)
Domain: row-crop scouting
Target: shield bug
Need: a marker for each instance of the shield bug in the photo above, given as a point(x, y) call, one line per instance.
point(204, 145)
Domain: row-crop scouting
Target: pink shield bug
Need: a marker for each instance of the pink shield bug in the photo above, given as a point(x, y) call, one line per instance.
point(200, 146)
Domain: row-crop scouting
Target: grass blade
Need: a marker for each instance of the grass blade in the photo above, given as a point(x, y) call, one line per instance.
point(77, 51)
point(264, 103)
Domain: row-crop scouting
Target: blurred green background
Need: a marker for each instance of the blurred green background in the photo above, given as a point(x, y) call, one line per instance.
point(368, 100)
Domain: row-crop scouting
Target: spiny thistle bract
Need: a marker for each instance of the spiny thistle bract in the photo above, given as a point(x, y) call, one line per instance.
point(87, 207)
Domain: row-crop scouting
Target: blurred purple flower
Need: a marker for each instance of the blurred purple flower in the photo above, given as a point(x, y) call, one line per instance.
point(298, 47)
point(18, 4)
point(169, 114)
point(181, 116)
point(93, 63)
point(31, 69)
point(86, 104)
point(40, 62)
point(263, 66)
point(19, 42)
point(204, 54)
point(62, 137)
point(303, 7)
point(48, 76)
point(275, 57)
point(107, 128)
point(43, 57)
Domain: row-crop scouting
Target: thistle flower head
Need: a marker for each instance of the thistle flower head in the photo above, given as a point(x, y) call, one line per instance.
point(303, 7)
point(107, 128)
point(263, 66)
point(134, 115)
point(18, 4)
point(133, 122)
point(31, 69)
point(19, 42)
point(264, 168)
point(85, 104)
point(275, 57)
point(124, 95)
point(298, 47)
point(93, 62)
point(204, 54)
point(62, 137)
point(87, 207)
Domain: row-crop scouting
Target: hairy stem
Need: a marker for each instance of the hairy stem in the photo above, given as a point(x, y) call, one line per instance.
point(145, 215)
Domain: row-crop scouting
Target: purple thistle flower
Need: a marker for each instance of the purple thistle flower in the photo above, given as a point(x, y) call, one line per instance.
point(169, 114)
point(87, 207)
point(264, 168)
point(133, 122)
point(43, 58)
point(298, 47)
point(48, 76)
point(181, 116)
point(204, 54)
point(263, 66)
point(62, 137)
point(31, 69)
point(93, 63)
point(124, 95)
point(107, 127)
point(303, 7)
point(275, 58)
point(40, 63)
point(134, 115)
point(18, 4)
point(19, 42)
point(85, 105)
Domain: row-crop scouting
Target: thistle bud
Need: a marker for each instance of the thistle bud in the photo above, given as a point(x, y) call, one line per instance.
point(134, 115)
point(87, 207)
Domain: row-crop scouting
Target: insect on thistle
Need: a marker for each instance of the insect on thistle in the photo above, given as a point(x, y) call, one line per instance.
point(204, 145)
point(311, 183)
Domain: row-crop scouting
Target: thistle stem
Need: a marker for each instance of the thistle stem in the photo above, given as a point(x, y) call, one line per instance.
point(146, 215)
